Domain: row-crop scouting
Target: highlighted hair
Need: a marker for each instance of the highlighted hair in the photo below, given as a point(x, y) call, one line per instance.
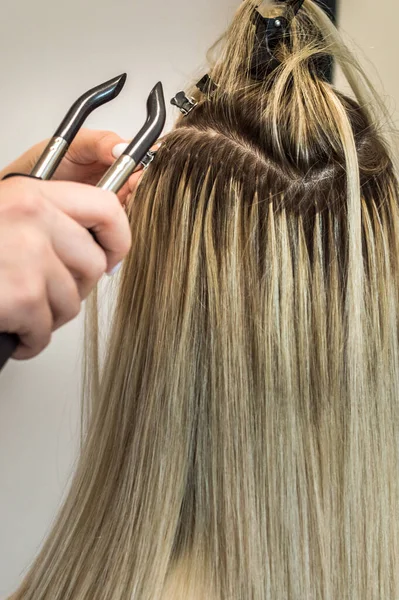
point(242, 441)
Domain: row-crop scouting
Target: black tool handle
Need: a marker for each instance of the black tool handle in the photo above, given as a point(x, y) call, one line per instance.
point(8, 344)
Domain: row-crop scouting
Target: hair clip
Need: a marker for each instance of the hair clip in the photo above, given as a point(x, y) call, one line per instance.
point(147, 160)
point(183, 103)
point(186, 104)
point(269, 33)
point(206, 85)
point(293, 5)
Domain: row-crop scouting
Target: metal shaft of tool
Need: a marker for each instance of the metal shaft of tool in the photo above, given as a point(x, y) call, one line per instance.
point(118, 174)
point(50, 159)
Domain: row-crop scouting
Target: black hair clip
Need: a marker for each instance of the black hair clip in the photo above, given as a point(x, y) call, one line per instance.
point(269, 33)
point(147, 160)
point(186, 104)
point(183, 103)
point(206, 85)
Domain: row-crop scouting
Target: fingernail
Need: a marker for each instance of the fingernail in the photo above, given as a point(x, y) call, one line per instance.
point(115, 270)
point(119, 149)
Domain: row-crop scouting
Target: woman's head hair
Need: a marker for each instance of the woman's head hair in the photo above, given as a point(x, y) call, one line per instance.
point(242, 438)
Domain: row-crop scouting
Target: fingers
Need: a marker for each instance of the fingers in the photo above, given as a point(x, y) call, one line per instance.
point(82, 257)
point(119, 149)
point(89, 156)
point(105, 145)
point(49, 261)
point(123, 194)
point(42, 308)
point(134, 181)
point(92, 146)
point(30, 314)
point(130, 187)
point(38, 323)
point(97, 210)
point(63, 294)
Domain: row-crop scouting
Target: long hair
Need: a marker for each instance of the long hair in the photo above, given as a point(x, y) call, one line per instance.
point(242, 442)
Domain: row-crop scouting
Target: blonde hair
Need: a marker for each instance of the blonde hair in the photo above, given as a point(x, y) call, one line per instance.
point(243, 439)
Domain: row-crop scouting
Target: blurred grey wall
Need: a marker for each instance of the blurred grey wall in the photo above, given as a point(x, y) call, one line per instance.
point(371, 30)
point(50, 53)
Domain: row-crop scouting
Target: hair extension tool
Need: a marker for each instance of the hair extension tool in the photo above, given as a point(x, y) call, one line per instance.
point(119, 172)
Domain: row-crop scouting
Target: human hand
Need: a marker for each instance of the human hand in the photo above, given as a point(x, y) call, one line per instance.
point(88, 158)
point(49, 261)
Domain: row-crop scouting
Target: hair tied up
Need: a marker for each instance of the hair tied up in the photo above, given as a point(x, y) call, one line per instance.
point(270, 32)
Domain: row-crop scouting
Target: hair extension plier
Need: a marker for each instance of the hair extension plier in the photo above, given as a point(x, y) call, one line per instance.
point(118, 174)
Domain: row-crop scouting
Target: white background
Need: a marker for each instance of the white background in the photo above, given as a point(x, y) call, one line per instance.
point(51, 52)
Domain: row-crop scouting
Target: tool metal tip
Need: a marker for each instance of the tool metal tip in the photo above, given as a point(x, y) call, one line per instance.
point(84, 106)
point(155, 99)
point(157, 92)
point(120, 83)
point(152, 129)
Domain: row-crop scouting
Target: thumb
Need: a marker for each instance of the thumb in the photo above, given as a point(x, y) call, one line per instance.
point(92, 146)
point(110, 147)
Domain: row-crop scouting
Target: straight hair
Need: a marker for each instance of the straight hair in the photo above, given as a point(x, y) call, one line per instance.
point(241, 441)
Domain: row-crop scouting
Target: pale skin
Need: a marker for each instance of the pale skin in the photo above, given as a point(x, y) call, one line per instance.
point(49, 262)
